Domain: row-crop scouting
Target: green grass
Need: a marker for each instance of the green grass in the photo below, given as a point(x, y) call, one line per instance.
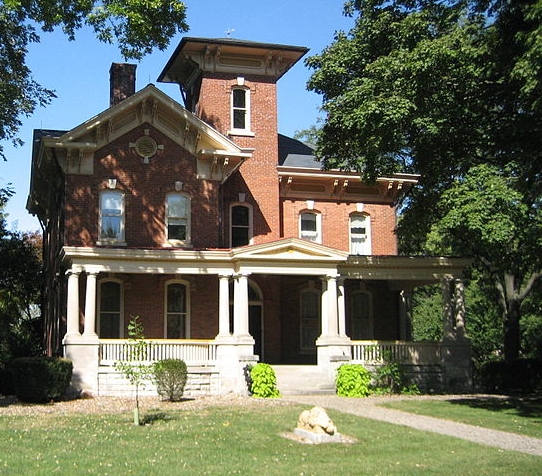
point(237, 440)
point(516, 415)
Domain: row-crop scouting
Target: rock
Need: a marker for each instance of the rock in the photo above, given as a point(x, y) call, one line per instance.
point(316, 420)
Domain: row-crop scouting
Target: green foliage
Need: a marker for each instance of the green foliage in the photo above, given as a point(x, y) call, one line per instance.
point(449, 91)
point(388, 378)
point(41, 379)
point(263, 381)
point(137, 26)
point(20, 283)
point(170, 376)
point(353, 380)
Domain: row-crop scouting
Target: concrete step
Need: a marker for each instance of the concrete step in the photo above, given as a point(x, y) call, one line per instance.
point(303, 380)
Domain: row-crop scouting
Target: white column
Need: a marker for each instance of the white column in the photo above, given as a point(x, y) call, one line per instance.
point(90, 306)
point(240, 305)
point(324, 309)
point(332, 314)
point(72, 324)
point(224, 305)
point(341, 307)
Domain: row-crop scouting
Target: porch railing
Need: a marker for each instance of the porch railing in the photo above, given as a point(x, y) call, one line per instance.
point(378, 352)
point(193, 352)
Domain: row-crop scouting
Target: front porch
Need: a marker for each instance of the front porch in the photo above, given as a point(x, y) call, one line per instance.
point(423, 363)
point(287, 302)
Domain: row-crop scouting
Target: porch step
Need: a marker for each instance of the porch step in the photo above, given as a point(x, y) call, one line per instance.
point(303, 380)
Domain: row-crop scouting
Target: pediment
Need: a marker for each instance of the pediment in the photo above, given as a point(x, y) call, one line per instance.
point(291, 249)
point(217, 156)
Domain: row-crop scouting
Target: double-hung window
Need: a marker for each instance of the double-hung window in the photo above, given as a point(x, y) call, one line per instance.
point(360, 234)
point(112, 216)
point(309, 227)
point(240, 109)
point(176, 310)
point(178, 218)
point(110, 310)
point(241, 225)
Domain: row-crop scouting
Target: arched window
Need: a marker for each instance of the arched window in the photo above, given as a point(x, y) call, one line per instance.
point(241, 225)
point(112, 216)
point(178, 218)
point(310, 227)
point(361, 315)
point(360, 234)
point(177, 305)
point(240, 109)
point(110, 319)
point(309, 312)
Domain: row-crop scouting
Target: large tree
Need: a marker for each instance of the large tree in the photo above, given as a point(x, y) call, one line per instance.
point(440, 88)
point(20, 285)
point(137, 26)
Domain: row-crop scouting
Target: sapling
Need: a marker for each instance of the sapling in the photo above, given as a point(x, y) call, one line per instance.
point(135, 366)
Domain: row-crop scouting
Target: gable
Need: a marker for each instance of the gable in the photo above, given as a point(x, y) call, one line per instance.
point(217, 155)
point(289, 249)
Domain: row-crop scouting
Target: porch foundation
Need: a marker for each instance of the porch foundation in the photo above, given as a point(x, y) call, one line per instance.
point(233, 355)
point(84, 354)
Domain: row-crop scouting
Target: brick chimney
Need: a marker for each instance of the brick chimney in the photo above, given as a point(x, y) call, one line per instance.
point(122, 82)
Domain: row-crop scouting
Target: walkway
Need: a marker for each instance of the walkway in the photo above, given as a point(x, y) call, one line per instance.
point(368, 408)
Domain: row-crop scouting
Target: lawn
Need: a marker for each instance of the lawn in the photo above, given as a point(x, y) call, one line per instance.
point(516, 415)
point(237, 440)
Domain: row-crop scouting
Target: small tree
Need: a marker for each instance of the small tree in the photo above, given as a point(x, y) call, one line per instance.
point(135, 367)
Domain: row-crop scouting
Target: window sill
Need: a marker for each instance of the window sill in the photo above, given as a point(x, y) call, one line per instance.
point(177, 244)
point(241, 132)
point(111, 243)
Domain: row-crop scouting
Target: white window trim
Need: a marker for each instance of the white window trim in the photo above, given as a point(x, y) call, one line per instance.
point(99, 301)
point(318, 232)
point(105, 241)
point(246, 131)
point(250, 222)
point(180, 243)
point(186, 284)
point(367, 244)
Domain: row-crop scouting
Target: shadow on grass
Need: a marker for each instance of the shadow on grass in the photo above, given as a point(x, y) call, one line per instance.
point(523, 406)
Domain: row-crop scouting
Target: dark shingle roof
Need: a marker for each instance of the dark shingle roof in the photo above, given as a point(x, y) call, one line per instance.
point(294, 153)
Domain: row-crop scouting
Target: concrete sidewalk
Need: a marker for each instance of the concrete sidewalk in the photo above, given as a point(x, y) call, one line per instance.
point(367, 408)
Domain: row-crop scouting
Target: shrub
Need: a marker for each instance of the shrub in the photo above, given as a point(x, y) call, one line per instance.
point(264, 381)
point(353, 380)
point(170, 376)
point(41, 379)
point(388, 378)
point(523, 375)
point(6, 381)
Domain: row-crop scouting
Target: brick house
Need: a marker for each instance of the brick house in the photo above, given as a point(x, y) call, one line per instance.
point(225, 237)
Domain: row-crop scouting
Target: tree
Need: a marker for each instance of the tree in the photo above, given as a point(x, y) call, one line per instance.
point(135, 366)
point(440, 89)
point(20, 283)
point(138, 26)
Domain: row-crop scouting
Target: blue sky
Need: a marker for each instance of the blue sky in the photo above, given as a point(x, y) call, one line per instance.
point(79, 73)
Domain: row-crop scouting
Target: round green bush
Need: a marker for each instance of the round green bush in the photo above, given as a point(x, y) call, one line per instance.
point(263, 381)
point(170, 376)
point(41, 379)
point(353, 380)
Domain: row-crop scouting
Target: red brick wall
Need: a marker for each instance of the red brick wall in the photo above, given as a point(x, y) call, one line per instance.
point(257, 177)
point(335, 224)
point(145, 187)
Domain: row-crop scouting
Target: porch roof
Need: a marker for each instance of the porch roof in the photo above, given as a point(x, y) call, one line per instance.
point(287, 256)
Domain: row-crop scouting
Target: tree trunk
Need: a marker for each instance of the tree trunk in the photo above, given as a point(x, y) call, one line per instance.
point(512, 336)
